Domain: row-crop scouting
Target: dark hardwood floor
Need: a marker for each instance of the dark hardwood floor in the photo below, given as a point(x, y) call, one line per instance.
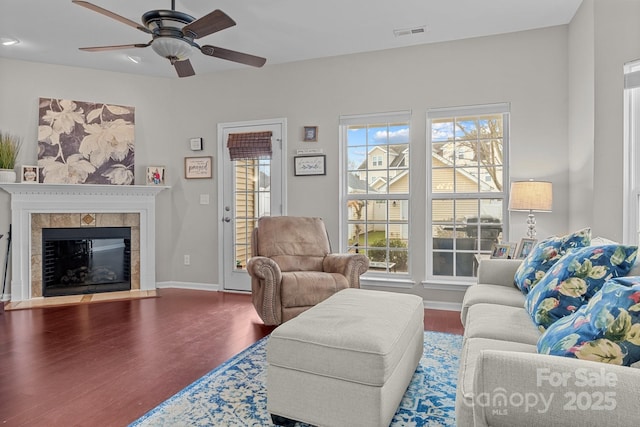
point(106, 364)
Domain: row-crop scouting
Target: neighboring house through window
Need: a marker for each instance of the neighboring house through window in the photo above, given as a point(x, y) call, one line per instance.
point(252, 201)
point(466, 207)
point(466, 194)
point(375, 189)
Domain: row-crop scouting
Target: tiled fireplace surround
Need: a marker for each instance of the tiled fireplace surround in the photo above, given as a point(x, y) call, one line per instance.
point(38, 206)
point(72, 220)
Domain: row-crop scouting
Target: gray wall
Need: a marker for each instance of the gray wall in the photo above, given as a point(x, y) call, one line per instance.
point(617, 41)
point(530, 69)
point(603, 36)
point(22, 83)
point(478, 71)
point(581, 116)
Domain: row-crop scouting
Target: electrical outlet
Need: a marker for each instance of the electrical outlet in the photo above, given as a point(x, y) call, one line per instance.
point(187, 260)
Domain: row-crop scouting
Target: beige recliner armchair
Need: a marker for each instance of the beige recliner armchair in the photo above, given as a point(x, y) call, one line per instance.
point(292, 267)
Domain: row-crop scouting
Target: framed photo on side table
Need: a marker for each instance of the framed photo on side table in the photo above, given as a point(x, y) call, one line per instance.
point(525, 246)
point(500, 251)
point(513, 247)
point(198, 167)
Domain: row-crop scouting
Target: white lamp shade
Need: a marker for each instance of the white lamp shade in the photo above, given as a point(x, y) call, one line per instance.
point(531, 196)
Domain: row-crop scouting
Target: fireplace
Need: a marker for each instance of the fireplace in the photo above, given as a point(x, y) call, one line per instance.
point(85, 260)
point(36, 206)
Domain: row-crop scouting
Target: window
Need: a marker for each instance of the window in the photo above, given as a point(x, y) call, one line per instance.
point(631, 198)
point(252, 200)
point(375, 189)
point(251, 155)
point(466, 198)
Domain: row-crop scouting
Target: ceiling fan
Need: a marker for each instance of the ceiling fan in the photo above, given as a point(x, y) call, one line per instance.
point(173, 35)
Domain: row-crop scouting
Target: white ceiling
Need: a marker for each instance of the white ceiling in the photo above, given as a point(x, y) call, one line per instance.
point(51, 31)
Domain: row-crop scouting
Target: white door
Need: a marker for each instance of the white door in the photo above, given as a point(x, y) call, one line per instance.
point(248, 189)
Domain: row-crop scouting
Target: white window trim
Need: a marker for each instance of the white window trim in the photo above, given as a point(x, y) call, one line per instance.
point(373, 279)
point(432, 281)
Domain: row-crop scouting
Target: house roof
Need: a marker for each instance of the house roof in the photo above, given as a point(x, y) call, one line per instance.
point(357, 185)
point(398, 150)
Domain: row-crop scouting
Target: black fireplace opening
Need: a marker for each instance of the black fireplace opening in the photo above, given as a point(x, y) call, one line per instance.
point(85, 260)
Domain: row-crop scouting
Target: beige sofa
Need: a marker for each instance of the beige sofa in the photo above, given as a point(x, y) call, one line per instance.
point(502, 381)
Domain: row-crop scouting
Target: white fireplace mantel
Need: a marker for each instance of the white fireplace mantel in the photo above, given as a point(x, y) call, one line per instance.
point(27, 199)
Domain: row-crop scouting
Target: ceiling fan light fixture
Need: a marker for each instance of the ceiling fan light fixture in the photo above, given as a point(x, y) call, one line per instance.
point(172, 48)
point(173, 34)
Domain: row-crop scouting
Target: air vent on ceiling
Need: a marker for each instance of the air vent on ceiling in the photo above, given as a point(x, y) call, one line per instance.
point(410, 31)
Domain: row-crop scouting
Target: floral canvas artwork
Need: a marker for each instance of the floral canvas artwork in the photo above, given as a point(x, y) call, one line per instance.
point(85, 142)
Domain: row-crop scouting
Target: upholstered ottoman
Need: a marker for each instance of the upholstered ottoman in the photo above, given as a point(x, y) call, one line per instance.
point(346, 361)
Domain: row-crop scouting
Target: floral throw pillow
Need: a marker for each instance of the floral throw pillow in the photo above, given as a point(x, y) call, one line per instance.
point(574, 279)
point(606, 329)
point(545, 254)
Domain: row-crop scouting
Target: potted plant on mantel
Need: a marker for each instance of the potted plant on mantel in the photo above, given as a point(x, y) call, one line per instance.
point(9, 149)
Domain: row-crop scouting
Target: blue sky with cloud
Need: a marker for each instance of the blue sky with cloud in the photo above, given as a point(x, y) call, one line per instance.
point(362, 139)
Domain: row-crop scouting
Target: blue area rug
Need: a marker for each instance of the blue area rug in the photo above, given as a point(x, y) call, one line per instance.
point(234, 393)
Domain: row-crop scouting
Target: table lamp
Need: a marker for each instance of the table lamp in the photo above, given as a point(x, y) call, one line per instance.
point(531, 196)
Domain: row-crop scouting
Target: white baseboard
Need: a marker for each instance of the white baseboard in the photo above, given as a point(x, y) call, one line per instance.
point(189, 285)
point(434, 305)
point(441, 305)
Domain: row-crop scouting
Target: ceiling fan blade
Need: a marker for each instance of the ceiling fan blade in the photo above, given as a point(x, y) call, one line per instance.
point(114, 47)
point(232, 55)
point(111, 15)
point(184, 68)
point(208, 24)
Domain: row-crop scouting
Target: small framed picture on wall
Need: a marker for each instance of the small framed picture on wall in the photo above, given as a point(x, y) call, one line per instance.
point(198, 167)
point(195, 144)
point(310, 134)
point(310, 165)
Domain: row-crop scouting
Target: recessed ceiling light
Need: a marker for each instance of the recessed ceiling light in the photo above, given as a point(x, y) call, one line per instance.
point(134, 59)
point(8, 41)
